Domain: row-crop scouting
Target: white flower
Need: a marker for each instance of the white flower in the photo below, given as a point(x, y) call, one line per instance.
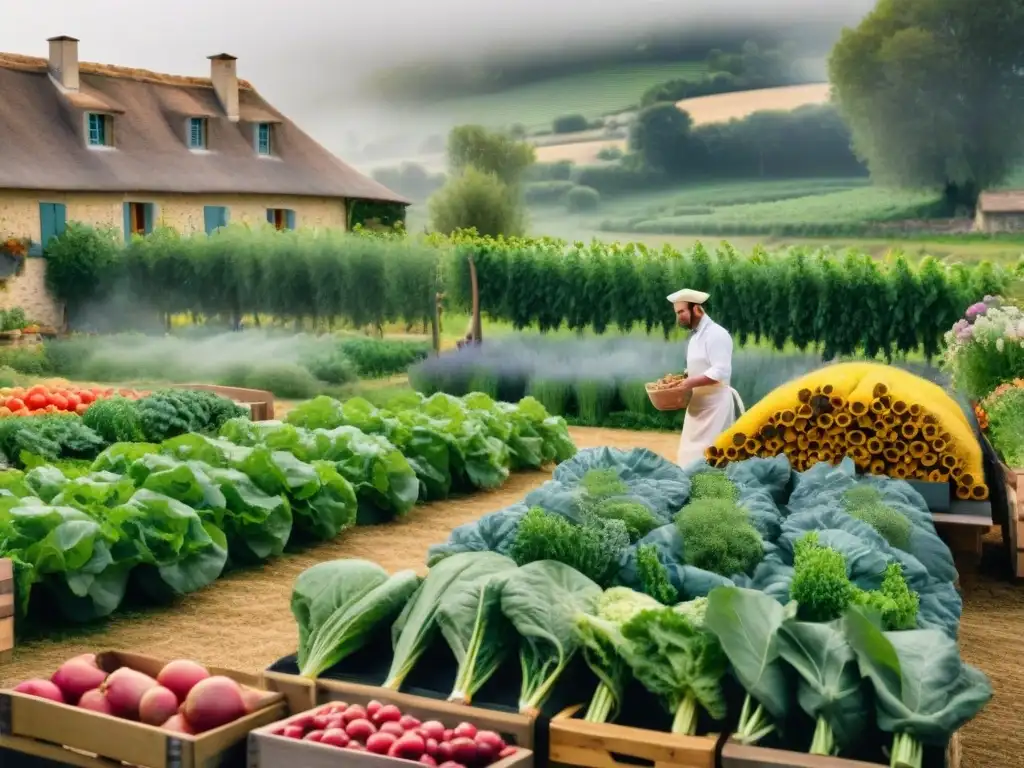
point(1000, 344)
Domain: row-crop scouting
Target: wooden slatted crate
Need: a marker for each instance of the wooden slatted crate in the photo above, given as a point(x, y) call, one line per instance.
point(65, 734)
point(6, 609)
point(1014, 479)
point(740, 756)
point(577, 742)
point(303, 694)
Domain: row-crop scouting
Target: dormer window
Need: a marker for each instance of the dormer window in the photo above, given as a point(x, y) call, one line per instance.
point(197, 133)
point(99, 129)
point(263, 139)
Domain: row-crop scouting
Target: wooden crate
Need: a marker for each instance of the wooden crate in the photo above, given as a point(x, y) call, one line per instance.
point(65, 734)
point(267, 750)
point(259, 401)
point(604, 745)
point(1014, 480)
point(6, 609)
point(303, 694)
point(736, 755)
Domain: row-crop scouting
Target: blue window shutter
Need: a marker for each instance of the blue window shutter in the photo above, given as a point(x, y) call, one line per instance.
point(289, 218)
point(60, 219)
point(148, 216)
point(214, 216)
point(127, 222)
point(47, 223)
point(270, 215)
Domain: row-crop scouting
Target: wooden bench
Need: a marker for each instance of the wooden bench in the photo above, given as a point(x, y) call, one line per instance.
point(259, 401)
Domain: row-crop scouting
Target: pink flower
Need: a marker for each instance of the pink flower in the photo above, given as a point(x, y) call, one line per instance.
point(976, 309)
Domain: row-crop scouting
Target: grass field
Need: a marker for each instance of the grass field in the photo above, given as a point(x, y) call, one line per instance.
point(717, 108)
point(591, 94)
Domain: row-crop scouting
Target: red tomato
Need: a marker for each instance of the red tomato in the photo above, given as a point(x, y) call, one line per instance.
point(73, 401)
point(86, 396)
point(82, 408)
point(15, 403)
point(35, 401)
point(58, 401)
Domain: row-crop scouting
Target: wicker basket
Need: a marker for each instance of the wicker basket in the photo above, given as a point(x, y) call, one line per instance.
point(668, 399)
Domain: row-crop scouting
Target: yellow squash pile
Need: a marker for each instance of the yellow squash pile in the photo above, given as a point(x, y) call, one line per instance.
point(889, 421)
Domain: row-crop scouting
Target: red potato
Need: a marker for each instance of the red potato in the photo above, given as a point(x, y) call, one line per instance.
point(124, 688)
point(355, 712)
point(157, 705)
point(43, 689)
point(433, 729)
point(293, 732)
point(465, 729)
point(431, 746)
point(444, 751)
point(388, 713)
point(335, 737)
point(178, 724)
point(320, 722)
point(373, 708)
point(449, 734)
point(313, 736)
point(360, 730)
point(180, 676)
point(491, 738)
point(408, 722)
point(380, 743)
point(213, 702)
point(78, 675)
point(463, 750)
point(393, 728)
point(355, 746)
point(410, 746)
point(485, 753)
point(427, 760)
point(303, 721)
point(95, 701)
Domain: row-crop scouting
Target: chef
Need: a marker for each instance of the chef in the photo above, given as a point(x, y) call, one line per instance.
point(713, 403)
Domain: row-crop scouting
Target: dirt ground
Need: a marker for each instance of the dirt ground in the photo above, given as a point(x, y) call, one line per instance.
point(243, 620)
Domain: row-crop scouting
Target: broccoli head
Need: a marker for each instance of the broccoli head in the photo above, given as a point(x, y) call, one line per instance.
point(602, 484)
point(718, 537)
point(694, 610)
point(894, 600)
point(654, 578)
point(713, 484)
point(820, 585)
point(593, 548)
point(637, 517)
point(891, 525)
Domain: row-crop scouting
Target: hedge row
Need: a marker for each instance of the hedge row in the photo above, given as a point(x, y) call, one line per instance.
point(842, 304)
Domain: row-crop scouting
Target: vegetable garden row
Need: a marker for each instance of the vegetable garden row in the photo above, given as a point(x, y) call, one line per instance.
point(812, 612)
point(170, 503)
point(846, 303)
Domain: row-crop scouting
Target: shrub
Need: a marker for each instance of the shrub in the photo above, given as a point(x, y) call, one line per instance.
point(30, 360)
point(557, 171)
point(579, 199)
point(283, 379)
point(546, 192)
point(331, 366)
point(610, 153)
point(570, 124)
point(377, 358)
point(478, 200)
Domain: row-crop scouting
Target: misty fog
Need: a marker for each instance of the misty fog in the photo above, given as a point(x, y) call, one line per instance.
point(313, 59)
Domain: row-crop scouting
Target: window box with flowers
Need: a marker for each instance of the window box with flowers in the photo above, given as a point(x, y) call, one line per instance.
point(13, 251)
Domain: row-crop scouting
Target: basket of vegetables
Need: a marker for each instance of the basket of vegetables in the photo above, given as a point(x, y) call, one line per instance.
point(667, 394)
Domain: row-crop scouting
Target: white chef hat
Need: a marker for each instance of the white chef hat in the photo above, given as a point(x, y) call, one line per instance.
point(689, 296)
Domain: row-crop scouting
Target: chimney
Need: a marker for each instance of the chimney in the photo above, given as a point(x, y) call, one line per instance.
point(63, 64)
point(225, 83)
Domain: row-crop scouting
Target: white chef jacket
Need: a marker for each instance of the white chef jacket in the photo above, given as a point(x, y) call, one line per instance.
point(713, 408)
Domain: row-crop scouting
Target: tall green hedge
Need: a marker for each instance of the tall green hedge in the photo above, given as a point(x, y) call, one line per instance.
point(844, 303)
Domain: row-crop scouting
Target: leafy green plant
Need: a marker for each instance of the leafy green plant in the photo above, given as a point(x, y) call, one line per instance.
point(718, 537)
point(592, 548)
point(653, 575)
point(541, 600)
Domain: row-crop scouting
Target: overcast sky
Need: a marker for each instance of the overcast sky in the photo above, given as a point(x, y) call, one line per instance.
point(304, 55)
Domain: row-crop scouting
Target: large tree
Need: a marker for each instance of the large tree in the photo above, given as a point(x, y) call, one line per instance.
point(933, 91)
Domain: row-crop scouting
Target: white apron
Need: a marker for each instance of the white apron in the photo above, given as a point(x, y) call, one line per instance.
point(711, 411)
